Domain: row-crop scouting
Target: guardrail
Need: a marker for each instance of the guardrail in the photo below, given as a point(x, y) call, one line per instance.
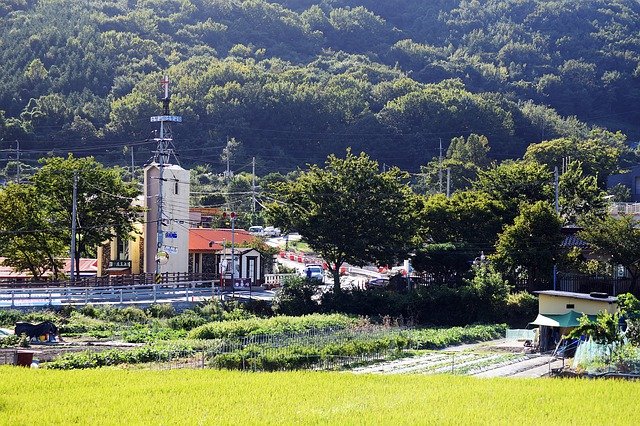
point(116, 280)
point(275, 280)
point(151, 293)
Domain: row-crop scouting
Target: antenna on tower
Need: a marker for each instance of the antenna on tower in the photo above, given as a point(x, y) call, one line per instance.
point(162, 154)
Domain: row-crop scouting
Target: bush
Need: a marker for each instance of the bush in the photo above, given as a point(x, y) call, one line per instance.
point(270, 326)
point(211, 310)
point(90, 311)
point(188, 320)
point(10, 341)
point(521, 308)
point(141, 333)
point(295, 297)
point(8, 317)
point(375, 303)
point(78, 323)
point(131, 314)
point(163, 310)
point(41, 316)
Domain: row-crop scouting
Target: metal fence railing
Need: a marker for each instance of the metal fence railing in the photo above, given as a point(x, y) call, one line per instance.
point(54, 296)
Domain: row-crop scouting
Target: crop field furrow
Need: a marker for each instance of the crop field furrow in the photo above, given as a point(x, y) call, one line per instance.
point(430, 367)
point(493, 366)
point(512, 369)
point(456, 365)
point(400, 364)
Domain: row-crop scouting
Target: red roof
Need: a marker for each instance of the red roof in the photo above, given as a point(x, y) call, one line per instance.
point(199, 238)
point(87, 267)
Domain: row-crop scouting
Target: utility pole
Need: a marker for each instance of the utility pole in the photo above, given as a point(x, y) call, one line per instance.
point(228, 176)
point(440, 166)
point(17, 161)
point(132, 166)
point(74, 211)
point(163, 152)
point(448, 182)
point(253, 188)
point(557, 206)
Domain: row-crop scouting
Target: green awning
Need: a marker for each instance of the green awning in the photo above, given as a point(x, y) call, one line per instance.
point(570, 319)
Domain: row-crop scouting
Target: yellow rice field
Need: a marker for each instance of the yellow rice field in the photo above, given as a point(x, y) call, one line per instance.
point(190, 397)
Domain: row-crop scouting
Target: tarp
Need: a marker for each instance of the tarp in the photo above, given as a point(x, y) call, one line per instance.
point(570, 319)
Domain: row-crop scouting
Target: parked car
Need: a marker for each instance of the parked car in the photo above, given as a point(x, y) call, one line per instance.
point(257, 231)
point(270, 231)
point(378, 283)
point(313, 272)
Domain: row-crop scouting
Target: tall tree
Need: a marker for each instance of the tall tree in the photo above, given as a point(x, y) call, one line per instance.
point(104, 201)
point(579, 194)
point(30, 237)
point(616, 239)
point(348, 211)
point(514, 182)
point(530, 247)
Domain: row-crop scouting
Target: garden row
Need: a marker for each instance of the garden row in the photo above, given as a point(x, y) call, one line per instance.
point(290, 351)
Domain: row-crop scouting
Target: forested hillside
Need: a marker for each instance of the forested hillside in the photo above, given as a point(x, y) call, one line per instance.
point(294, 80)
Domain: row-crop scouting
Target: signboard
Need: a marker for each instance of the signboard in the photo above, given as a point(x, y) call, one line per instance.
point(170, 249)
point(119, 264)
point(174, 118)
point(171, 234)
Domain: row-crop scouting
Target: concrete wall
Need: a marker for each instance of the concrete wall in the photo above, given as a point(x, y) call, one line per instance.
point(175, 195)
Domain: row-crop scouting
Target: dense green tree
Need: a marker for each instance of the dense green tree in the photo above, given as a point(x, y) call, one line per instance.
point(515, 182)
point(579, 195)
point(599, 154)
point(348, 212)
point(297, 80)
point(30, 238)
point(104, 201)
point(617, 240)
point(531, 246)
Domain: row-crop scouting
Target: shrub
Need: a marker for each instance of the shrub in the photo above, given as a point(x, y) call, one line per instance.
point(10, 341)
point(162, 310)
point(90, 311)
point(141, 333)
point(132, 314)
point(78, 323)
point(41, 316)
point(188, 320)
point(211, 310)
point(270, 326)
point(521, 308)
point(295, 297)
point(8, 317)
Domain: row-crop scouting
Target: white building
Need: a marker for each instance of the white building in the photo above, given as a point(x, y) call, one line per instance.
point(175, 218)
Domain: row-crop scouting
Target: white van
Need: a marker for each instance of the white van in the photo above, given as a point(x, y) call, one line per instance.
point(256, 230)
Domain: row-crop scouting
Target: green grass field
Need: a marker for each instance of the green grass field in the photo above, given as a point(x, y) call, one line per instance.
point(113, 396)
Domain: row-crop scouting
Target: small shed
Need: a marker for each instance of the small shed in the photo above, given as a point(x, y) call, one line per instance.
point(559, 313)
point(249, 269)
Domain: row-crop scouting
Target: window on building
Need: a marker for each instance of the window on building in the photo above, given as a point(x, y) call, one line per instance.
point(122, 249)
point(176, 187)
point(570, 306)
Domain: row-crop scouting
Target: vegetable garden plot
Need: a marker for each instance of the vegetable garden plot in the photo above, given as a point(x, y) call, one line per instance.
point(443, 362)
